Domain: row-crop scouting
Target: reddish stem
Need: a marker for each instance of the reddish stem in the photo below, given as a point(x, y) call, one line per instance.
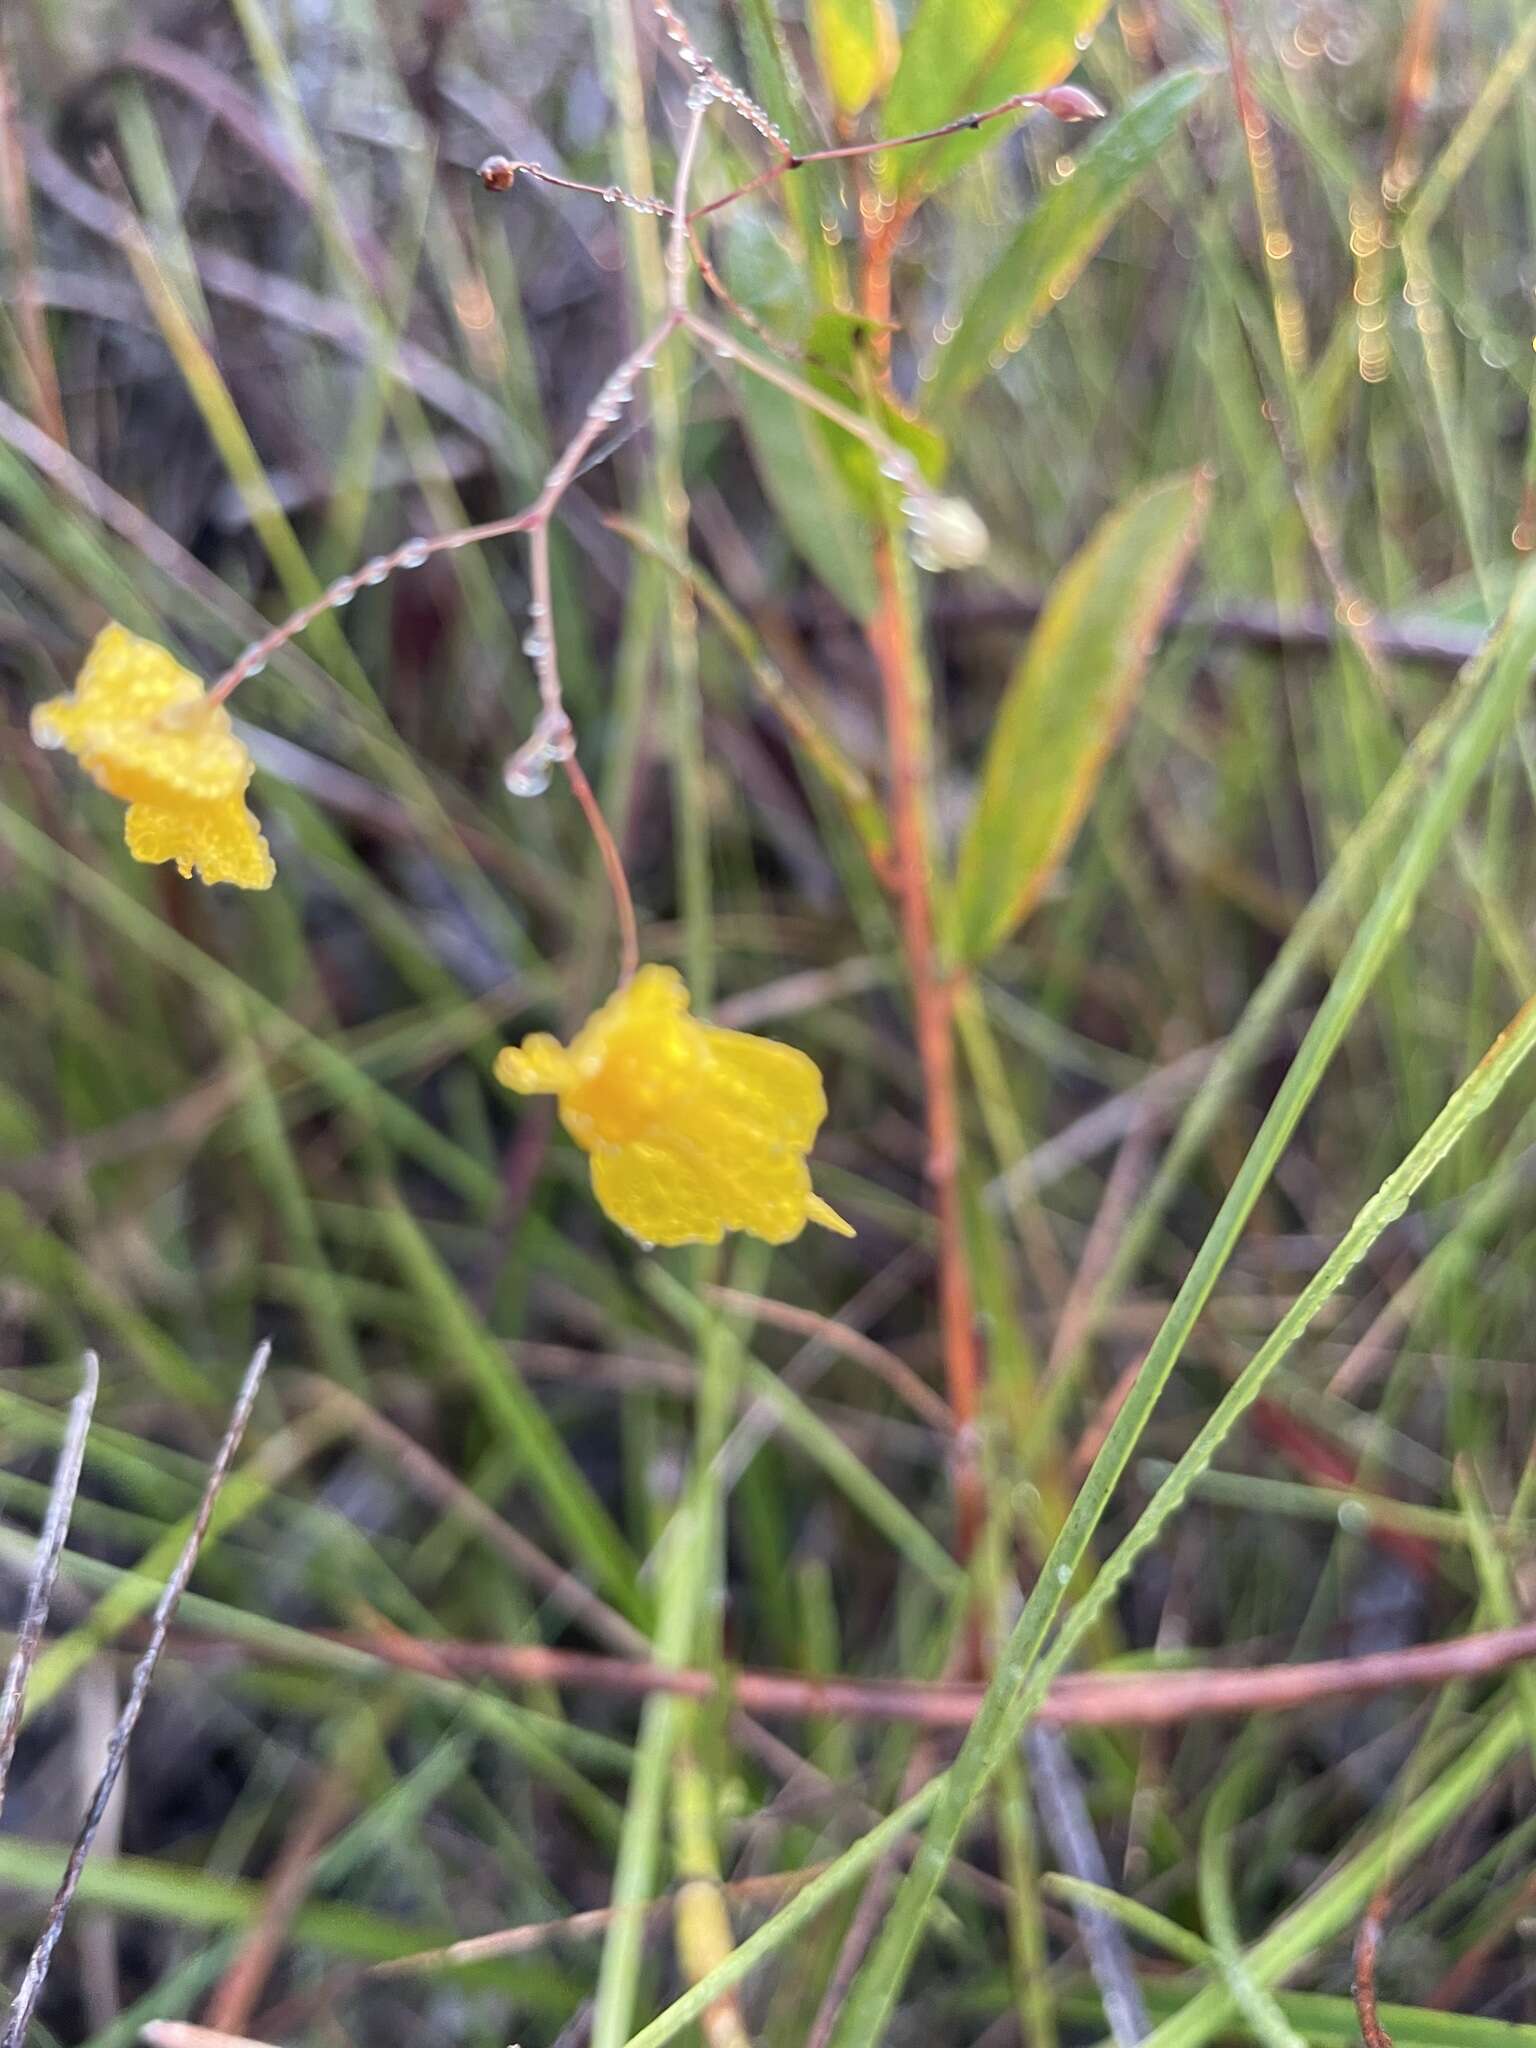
point(613, 868)
point(1367, 1944)
point(932, 996)
point(1080, 1699)
point(933, 1010)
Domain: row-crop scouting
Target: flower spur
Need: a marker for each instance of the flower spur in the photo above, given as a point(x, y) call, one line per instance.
point(692, 1129)
point(142, 728)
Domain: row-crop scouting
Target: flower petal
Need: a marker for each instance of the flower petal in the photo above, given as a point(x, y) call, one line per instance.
point(140, 727)
point(221, 840)
point(539, 1066)
point(775, 1088)
point(648, 1191)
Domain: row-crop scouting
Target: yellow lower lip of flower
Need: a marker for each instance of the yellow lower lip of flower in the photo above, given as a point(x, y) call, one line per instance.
point(219, 842)
point(141, 727)
point(692, 1129)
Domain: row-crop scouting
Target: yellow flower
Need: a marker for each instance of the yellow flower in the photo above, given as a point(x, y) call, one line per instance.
point(693, 1130)
point(141, 727)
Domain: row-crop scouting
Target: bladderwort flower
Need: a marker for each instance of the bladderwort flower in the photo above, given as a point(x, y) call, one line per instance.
point(692, 1129)
point(142, 728)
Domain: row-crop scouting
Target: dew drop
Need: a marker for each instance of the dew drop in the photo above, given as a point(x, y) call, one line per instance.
point(374, 571)
point(414, 553)
point(253, 668)
point(341, 592)
point(527, 775)
point(535, 646)
point(561, 745)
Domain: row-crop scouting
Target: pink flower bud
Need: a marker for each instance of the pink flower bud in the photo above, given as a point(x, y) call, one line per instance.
point(1071, 103)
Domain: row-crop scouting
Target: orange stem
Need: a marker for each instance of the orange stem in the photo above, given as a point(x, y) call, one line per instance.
point(933, 1010)
point(932, 995)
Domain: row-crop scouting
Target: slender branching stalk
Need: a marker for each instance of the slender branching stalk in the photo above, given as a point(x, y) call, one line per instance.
point(552, 741)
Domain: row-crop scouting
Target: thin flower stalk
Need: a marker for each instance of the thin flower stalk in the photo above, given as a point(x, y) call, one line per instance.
point(1066, 102)
point(500, 173)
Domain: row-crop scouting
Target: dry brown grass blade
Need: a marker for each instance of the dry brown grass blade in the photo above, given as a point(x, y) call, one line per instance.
point(45, 1568)
point(183, 2034)
point(30, 1989)
point(765, 1890)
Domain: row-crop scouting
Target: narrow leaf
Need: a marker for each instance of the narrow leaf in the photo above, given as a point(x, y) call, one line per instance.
point(803, 484)
point(800, 471)
point(960, 56)
point(1048, 253)
point(856, 49)
point(1065, 705)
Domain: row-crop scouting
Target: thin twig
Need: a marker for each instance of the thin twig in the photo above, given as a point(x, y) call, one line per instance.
point(894, 460)
point(293, 1873)
point(1139, 1699)
point(35, 1976)
point(1363, 1985)
point(907, 1385)
point(714, 80)
point(45, 1568)
point(1066, 102)
point(410, 554)
point(678, 247)
point(501, 173)
point(767, 1889)
point(429, 1478)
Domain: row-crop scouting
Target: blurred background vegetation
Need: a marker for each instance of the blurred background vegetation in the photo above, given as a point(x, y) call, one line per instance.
point(260, 321)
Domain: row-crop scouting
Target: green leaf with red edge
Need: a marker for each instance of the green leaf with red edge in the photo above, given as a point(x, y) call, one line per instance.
point(1051, 248)
point(961, 56)
point(1064, 707)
